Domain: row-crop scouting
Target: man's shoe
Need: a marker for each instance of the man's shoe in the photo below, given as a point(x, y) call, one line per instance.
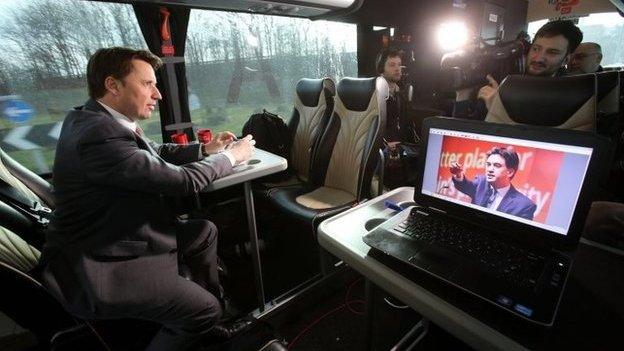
point(227, 330)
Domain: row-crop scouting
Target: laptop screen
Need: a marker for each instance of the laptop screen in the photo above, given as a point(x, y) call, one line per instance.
point(531, 182)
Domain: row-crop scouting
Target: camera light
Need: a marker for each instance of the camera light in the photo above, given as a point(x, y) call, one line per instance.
point(452, 35)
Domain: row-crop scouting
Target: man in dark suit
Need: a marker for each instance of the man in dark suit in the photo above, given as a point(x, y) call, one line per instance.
point(494, 190)
point(113, 242)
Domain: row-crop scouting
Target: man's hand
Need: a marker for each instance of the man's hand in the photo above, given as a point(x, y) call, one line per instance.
point(393, 145)
point(457, 171)
point(242, 149)
point(219, 143)
point(487, 92)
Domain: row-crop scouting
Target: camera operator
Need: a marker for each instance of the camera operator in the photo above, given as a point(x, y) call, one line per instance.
point(400, 160)
point(550, 51)
point(388, 64)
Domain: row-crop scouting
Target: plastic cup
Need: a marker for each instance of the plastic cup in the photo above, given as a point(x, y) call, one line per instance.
point(179, 138)
point(204, 136)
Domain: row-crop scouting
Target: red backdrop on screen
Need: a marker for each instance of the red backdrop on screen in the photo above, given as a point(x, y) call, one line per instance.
point(536, 176)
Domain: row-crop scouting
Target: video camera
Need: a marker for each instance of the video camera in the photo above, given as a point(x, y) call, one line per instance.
point(468, 67)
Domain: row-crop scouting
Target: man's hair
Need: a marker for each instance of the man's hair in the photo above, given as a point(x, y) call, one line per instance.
point(115, 62)
point(562, 27)
point(384, 55)
point(509, 155)
point(595, 46)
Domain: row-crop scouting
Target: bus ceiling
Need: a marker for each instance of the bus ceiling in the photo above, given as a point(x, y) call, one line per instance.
point(547, 9)
point(313, 9)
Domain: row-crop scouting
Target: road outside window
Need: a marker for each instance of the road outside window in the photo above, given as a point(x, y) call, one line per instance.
point(46, 45)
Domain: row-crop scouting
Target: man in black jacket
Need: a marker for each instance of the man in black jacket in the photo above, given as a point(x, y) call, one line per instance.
point(398, 129)
point(550, 51)
point(113, 243)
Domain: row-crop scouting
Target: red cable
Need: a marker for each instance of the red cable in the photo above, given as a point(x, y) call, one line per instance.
point(309, 326)
point(353, 310)
point(351, 287)
point(316, 321)
point(349, 302)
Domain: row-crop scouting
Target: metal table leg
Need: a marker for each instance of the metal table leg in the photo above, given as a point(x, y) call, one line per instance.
point(253, 238)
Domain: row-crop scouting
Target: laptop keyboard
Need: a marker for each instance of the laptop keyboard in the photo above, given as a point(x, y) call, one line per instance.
point(511, 263)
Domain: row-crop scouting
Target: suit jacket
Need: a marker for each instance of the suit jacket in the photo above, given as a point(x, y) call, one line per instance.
point(111, 244)
point(513, 203)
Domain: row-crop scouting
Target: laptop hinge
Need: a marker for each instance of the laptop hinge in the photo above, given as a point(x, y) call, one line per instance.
point(437, 210)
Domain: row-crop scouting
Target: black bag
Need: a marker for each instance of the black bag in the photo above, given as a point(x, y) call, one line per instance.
point(270, 132)
point(401, 165)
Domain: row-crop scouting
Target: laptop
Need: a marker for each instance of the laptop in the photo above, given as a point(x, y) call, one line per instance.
point(500, 211)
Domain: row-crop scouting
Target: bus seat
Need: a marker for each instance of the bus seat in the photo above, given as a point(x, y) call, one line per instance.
point(343, 164)
point(30, 187)
point(25, 181)
point(605, 224)
point(16, 252)
point(608, 96)
point(562, 102)
point(22, 297)
point(314, 103)
point(608, 103)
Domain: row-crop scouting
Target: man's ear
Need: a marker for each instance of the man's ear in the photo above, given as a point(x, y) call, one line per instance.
point(511, 172)
point(112, 85)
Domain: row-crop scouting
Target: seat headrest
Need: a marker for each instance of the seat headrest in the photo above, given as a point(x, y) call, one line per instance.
point(545, 101)
point(309, 90)
point(355, 93)
point(607, 81)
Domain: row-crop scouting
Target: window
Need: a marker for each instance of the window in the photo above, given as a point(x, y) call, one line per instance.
point(46, 46)
point(606, 29)
point(237, 64)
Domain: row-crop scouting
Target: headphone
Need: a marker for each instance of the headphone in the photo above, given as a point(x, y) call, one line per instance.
point(380, 61)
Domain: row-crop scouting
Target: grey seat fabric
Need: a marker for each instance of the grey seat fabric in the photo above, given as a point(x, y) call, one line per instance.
point(313, 105)
point(562, 102)
point(14, 250)
point(20, 177)
point(346, 157)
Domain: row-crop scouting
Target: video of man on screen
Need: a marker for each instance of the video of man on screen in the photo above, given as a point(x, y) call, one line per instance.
point(511, 179)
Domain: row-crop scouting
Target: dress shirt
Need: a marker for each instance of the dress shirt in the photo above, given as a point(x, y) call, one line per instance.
point(500, 194)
